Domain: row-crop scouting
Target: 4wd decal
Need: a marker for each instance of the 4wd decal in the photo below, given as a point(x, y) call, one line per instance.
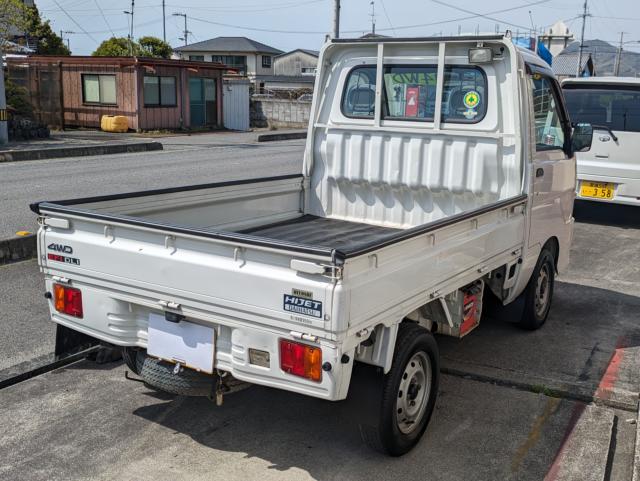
point(60, 248)
point(60, 258)
point(301, 305)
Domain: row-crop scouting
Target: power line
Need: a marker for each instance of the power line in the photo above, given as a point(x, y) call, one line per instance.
point(440, 2)
point(402, 27)
point(384, 9)
point(75, 23)
point(103, 17)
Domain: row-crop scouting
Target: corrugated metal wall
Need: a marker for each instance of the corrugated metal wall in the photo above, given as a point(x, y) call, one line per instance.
point(236, 104)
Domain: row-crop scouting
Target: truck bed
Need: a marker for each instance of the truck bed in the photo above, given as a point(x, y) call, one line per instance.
point(325, 232)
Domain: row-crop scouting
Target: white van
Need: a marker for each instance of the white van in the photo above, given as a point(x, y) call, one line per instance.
point(610, 171)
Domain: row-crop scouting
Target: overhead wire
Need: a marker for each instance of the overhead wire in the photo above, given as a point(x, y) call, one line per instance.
point(75, 23)
point(384, 9)
point(103, 17)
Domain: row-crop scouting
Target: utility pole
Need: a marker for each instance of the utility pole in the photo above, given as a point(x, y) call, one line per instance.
point(68, 32)
point(336, 18)
point(132, 3)
point(130, 34)
point(186, 31)
point(584, 18)
point(373, 17)
point(164, 23)
point(616, 68)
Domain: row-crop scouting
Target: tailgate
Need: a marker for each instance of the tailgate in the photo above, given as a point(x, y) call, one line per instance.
point(234, 283)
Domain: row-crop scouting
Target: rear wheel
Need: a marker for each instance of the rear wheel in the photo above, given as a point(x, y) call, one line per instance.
point(539, 292)
point(408, 394)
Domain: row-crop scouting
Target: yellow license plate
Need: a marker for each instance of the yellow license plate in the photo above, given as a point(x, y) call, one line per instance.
point(597, 190)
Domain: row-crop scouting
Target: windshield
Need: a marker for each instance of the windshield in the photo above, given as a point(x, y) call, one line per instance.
point(615, 107)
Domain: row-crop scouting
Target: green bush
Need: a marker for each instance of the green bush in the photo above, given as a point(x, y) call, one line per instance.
point(18, 100)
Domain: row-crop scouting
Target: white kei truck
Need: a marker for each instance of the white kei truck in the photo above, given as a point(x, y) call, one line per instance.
point(437, 171)
point(610, 171)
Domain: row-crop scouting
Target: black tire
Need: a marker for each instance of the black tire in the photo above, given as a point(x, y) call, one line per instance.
point(385, 433)
point(539, 292)
point(129, 355)
point(159, 374)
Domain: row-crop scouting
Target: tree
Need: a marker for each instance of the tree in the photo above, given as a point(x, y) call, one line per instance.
point(116, 47)
point(12, 20)
point(144, 47)
point(47, 42)
point(154, 47)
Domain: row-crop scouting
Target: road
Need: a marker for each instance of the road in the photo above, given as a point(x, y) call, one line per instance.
point(185, 161)
point(509, 405)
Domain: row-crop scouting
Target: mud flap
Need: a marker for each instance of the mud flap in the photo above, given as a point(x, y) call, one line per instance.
point(365, 394)
point(69, 341)
point(494, 309)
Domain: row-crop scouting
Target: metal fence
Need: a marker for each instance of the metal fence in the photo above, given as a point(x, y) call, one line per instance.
point(44, 89)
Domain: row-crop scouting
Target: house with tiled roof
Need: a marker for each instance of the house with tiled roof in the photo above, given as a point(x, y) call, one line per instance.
point(241, 54)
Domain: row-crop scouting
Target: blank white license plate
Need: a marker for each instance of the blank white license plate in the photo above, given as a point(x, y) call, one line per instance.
point(192, 345)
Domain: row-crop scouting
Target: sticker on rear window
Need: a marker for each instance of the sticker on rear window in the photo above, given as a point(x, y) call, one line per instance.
point(471, 99)
point(302, 305)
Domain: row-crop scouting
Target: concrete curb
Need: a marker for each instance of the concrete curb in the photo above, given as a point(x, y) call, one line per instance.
point(54, 153)
point(282, 136)
point(18, 249)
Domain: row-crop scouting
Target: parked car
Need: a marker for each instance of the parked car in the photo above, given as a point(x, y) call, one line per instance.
point(424, 189)
point(610, 171)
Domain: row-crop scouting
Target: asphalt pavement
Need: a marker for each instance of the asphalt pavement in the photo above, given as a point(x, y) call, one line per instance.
point(556, 404)
point(185, 160)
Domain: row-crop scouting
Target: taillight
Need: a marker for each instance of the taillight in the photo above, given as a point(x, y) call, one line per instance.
point(301, 360)
point(67, 300)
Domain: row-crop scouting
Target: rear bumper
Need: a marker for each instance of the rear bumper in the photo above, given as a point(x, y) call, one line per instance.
point(113, 318)
point(627, 191)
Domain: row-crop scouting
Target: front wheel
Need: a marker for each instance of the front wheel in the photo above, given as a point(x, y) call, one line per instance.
point(408, 393)
point(539, 292)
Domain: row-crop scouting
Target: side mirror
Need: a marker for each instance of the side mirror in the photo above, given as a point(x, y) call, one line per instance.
point(582, 137)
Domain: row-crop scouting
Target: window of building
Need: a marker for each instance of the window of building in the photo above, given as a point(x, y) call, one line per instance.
point(308, 70)
point(197, 58)
point(266, 61)
point(547, 121)
point(99, 89)
point(410, 93)
point(234, 62)
point(159, 91)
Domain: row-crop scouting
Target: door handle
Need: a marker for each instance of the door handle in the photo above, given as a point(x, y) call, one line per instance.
point(539, 172)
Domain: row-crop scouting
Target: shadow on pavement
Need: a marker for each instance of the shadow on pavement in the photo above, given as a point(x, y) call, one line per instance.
point(478, 432)
point(600, 213)
point(588, 329)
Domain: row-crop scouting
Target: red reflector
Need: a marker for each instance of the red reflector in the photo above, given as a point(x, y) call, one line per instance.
point(301, 360)
point(67, 300)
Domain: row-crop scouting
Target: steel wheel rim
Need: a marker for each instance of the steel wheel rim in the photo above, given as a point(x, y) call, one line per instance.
point(413, 393)
point(542, 290)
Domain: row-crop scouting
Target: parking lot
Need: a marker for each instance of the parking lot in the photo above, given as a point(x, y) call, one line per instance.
point(558, 403)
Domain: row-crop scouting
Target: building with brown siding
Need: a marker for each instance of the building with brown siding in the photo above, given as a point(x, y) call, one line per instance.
point(152, 93)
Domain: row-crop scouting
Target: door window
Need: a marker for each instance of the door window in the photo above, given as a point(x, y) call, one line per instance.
point(546, 116)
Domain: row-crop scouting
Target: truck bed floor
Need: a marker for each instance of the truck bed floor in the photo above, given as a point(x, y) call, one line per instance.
point(323, 231)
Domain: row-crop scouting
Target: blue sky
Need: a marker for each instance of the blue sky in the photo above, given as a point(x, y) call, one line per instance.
point(289, 24)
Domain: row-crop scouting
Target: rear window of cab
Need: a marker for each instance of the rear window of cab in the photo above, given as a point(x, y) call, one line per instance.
point(409, 93)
